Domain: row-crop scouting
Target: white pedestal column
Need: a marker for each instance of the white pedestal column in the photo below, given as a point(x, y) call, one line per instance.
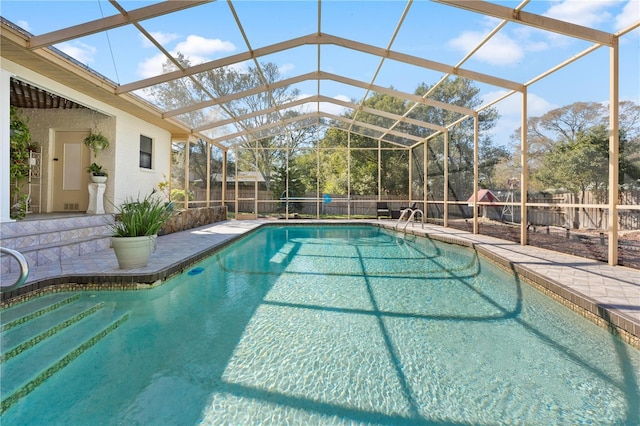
point(96, 195)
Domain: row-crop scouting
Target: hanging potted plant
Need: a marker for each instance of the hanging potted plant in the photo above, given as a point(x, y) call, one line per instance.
point(136, 228)
point(98, 174)
point(96, 142)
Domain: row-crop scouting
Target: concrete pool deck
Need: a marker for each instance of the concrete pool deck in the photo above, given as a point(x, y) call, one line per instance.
point(607, 295)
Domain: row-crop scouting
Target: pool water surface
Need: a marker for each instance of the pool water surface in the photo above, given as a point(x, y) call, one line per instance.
point(337, 325)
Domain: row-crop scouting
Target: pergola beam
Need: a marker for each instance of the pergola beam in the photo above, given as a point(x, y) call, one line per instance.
point(319, 114)
point(419, 62)
point(110, 22)
point(319, 76)
point(238, 95)
point(217, 63)
point(319, 39)
point(318, 99)
point(533, 20)
point(396, 93)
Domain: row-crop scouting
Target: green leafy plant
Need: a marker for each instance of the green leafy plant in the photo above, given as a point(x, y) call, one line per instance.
point(96, 142)
point(20, 145)
point(19, 209)
point(140, 217)
point(165, 187)
point(180, 195)
point(96, 170)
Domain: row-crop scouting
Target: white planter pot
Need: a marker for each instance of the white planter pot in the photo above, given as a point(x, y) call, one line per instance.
point(98, 179)
point(133, 252)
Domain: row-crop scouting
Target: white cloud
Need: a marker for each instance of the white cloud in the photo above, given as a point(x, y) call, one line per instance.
point(152, 66)
point(285, 68)
point(195, 48)
point(79, 51)
point(199, 46)
point(512, 105)
point(335, 109)
point(508, 48)
point(499, 50)
point(581, 12)
point(537, 106)
point(628, 16)
point(510, 110)
point(24, 25)
point(162, 38)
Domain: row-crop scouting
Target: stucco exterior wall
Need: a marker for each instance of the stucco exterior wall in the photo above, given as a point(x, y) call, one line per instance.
point(130, 179)
point(43, 123)
point(126, 178)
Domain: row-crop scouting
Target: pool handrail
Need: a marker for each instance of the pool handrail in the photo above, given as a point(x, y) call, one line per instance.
point(411, 216)
point(24, 269)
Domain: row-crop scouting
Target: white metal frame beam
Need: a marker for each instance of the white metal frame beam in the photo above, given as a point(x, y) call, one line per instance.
point(531, 19)
point(320, 39)
point(321, 76)
point(318, 99)
point(114, 21)
point(317, 114)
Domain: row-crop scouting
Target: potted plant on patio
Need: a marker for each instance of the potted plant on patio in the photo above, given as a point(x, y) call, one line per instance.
point(135, 229)
point(98, 174)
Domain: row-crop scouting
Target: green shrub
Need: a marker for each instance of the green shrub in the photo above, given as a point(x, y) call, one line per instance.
point(180, 194)
point(140, 217)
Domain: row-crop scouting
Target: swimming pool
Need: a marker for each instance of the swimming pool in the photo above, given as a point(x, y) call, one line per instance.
point(333, 325)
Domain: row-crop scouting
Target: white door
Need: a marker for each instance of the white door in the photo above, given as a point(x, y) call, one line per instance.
point(70, 180)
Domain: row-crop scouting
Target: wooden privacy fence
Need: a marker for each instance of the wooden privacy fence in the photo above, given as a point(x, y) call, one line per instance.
point(582, 217)
point(557, 214)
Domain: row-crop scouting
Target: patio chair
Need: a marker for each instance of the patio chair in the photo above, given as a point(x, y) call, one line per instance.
point(411, 208)
point(382, 209)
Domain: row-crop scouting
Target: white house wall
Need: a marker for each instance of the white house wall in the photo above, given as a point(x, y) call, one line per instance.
point(130, 179)
point(126, 179)
point(43, 123)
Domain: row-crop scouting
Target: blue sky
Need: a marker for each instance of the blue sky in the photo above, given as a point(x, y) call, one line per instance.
point(430, 30)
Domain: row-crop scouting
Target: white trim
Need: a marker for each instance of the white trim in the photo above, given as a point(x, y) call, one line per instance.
point(5, 146)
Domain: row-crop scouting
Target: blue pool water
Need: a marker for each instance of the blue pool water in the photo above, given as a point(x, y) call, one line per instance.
point(341, 325)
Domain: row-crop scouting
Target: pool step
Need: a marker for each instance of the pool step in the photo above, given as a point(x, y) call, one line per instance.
point(18, 339)
point(24, 312)
point(37, 348)
point(47, 241)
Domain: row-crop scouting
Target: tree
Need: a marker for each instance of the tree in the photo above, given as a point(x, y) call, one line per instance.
point(461, 92)
point(264, 150)
point(394, 157)
point(287, 182)
point(569, 122)
point(563, 125)
point(578, 166)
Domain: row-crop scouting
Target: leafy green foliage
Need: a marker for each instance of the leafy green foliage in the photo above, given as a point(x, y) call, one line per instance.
point(20, 142)
point(20, 145)
point(96, 142)
point(362, 165)
point(96, 170)
point(463, 93)
point(141, 217)
point(575, 166)
point(256, 153)
point(180, 195)
point(296, 188)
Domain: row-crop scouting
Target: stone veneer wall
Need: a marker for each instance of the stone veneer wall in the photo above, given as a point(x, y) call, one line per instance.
point(192, 218)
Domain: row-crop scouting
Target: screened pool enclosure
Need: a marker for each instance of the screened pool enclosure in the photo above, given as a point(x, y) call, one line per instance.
point(361, 103)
